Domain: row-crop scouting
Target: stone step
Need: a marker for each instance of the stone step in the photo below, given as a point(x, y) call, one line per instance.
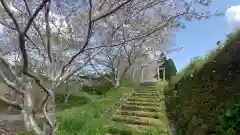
point(145, 94)
point(146, 90)
point(146, 86)
point(139, 127)
point(148, 83)
point(139, 108)
point(154, 115)
point(138, 120)
point(142, 103)
point(144, 99)
point(110, 134)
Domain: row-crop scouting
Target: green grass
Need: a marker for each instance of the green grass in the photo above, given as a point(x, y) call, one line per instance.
point(94, 118)
point(87, 114)
point(73, 101)
point(90, 119)
point(116, 128)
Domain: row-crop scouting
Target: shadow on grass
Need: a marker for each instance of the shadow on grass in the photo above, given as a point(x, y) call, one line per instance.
point(73, 101)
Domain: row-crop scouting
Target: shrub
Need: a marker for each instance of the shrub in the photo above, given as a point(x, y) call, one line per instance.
point(229, 122)
point(100, 88)
point(161, 84)
point(206, 86)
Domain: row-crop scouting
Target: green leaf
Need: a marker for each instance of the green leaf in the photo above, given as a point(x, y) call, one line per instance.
point(228, 113)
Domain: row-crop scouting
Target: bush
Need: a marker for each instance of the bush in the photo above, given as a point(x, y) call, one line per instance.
point(103, 86)
point(204, 90)
point(127, 81)
point(229, 122)
point(100, 88)
point(170, 69)
point(161, 84)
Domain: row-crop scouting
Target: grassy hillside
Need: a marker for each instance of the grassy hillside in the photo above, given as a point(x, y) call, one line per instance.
point(199, 100)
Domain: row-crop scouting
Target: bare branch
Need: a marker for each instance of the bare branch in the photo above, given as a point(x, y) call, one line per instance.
point(23, 34)
point(112, 11)
point(8, 26)
point(6, 8)
point(11, 103)
point(35, 45)
point(5, 63)
point(94, 68)
point(34, 23)
point(49, 48)
point(102, 62)
point(34, 15)
point(78, 68)
point(10, 84)
point(89, 32)
point(39, 82)
point(100, 7)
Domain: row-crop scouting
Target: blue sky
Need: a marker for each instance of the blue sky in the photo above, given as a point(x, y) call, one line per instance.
point(200, 37)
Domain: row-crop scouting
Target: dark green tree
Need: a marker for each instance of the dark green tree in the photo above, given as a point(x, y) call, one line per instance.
point(170, 69)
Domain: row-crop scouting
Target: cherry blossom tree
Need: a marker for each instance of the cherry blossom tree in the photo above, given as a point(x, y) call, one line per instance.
point(137, 29)
point(56, 39)
point(56, 45)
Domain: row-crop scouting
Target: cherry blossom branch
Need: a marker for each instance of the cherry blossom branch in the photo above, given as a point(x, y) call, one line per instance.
point(34, 23)
point(34, 15)
point(7, 9)
point(96, 70)
point(90, 24)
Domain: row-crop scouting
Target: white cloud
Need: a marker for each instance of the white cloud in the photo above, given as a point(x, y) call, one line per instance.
point(233, 16)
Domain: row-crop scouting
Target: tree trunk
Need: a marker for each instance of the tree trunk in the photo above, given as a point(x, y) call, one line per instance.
point(28, 112)
point(117, 80)
point(164, 74)
point(12, 97)
point(142, 75)
point(133, 74)
point(51, 114)
point(31, 125)
point(66, 95)
point(117, 83)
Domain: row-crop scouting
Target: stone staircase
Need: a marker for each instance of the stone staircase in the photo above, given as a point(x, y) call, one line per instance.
point(144, 108)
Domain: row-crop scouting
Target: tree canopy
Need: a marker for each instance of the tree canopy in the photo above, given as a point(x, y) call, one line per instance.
point(170, 69)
